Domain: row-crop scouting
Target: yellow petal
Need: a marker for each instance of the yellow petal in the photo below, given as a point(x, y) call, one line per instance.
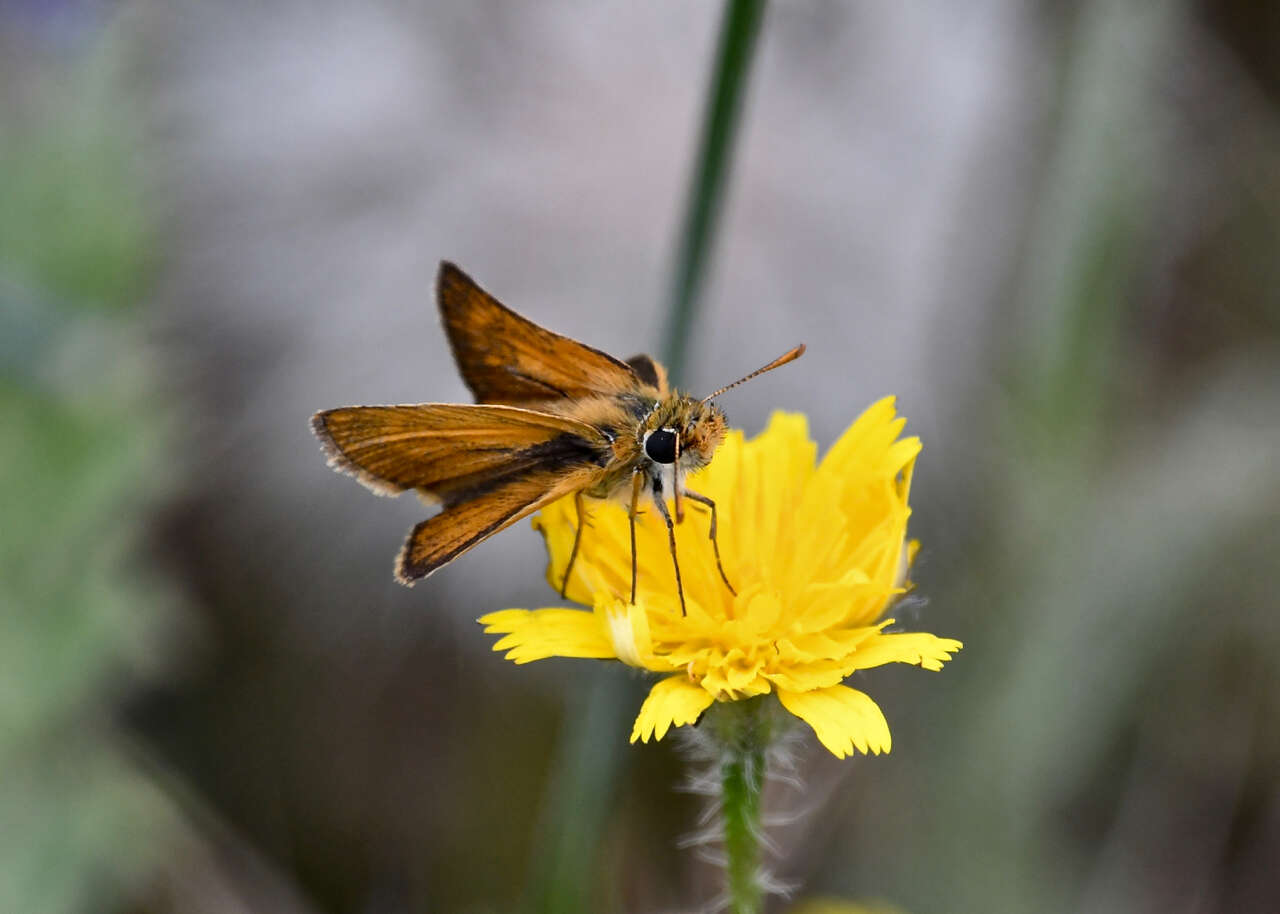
point(734, 677)
point(807, 676)
point(843, 718)
point(558, 523)
point(835, 644)
point(863, 444)
point(673, 702)
point(756, 485)
point(858, 500)
point(786, 454)
point(535, 634)
point(628, 628)
point(918, 648)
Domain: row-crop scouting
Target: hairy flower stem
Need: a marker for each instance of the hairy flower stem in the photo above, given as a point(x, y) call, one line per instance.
point(742, 729)
point(742, 774)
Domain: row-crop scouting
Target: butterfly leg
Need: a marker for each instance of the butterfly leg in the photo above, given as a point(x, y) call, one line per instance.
point(577, 541)
point(671, 537)
point(715, 544)
point(637, 482)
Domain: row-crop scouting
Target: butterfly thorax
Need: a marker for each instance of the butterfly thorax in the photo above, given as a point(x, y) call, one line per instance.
point(631, 421)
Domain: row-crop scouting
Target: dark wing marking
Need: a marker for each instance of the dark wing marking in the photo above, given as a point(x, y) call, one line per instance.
point(505, 358)
point(441, 539)
point(452, 451)
point(650, 371)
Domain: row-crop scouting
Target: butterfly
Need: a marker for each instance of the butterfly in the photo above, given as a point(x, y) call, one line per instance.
point(553, 417)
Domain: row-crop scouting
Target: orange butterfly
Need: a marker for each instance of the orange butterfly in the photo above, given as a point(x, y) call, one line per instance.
point(553, 417)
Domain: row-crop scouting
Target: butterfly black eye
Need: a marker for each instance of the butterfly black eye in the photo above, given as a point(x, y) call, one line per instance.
point(661, 445)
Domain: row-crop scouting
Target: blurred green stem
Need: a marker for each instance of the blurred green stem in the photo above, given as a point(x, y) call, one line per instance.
point(590, 761)
point(738, 32)
point(580, 796)
point(742, 777)
point(741, 730)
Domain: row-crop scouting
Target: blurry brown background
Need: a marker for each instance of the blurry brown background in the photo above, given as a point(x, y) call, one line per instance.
point(1052, 229)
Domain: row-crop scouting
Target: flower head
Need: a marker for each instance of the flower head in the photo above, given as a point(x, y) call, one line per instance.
point(815, 552)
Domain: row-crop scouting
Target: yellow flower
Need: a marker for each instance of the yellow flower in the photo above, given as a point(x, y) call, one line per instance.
point(816, 554)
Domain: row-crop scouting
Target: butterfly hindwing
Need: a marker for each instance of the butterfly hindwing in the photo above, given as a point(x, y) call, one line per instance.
point(441, 539)
point(651, 372)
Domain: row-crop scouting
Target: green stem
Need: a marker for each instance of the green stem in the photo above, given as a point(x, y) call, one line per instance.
point(741, 780)
point(734, 53)
point(581, 793)
point(742, 730)
point(586, 776)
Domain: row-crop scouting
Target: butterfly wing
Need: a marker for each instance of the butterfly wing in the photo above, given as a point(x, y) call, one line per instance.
point(651, 372)
point(441, 539)
point(489, 465)
point(448, 451)
point(504, 358)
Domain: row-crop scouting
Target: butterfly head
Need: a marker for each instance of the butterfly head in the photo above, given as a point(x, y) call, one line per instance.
point(685, 431)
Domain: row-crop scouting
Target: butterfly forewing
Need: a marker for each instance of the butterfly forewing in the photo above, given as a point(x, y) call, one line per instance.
point(504, 358)
point(453, 451)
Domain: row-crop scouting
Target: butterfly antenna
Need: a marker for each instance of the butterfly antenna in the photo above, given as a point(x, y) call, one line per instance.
point(776, 363)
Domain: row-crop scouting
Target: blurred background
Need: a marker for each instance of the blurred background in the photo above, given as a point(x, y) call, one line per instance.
point(1051, 228)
